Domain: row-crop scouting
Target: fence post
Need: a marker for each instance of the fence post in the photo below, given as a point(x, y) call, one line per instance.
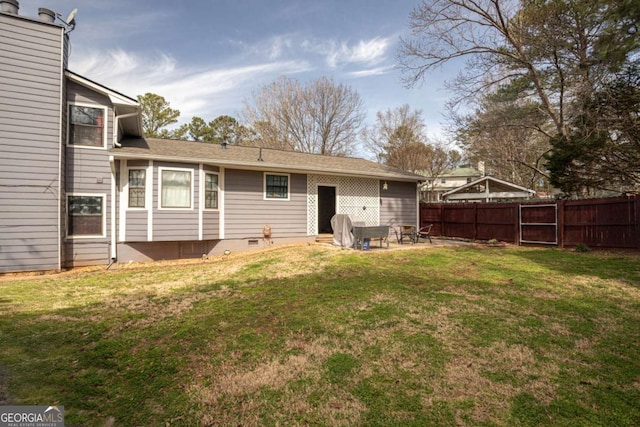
point(441, 211)
point(475, 221)
point(560, 223)
point(636, 200)
point(516, 224)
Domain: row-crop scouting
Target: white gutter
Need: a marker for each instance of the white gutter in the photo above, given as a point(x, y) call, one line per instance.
point(116, 126)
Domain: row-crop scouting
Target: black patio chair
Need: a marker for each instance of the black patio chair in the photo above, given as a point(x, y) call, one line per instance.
point(424, 233)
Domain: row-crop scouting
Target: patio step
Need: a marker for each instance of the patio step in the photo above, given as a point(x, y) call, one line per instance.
point(324, 238)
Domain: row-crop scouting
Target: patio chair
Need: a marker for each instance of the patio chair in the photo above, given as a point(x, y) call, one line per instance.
point(424, 233)
point(408, 231)
point(393, 228)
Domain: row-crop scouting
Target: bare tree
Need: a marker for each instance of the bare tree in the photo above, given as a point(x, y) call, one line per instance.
point(394, 126)
point(508, 135)
point(398, 139)
point(548, 47)
point(547, 53)
point(320, 117)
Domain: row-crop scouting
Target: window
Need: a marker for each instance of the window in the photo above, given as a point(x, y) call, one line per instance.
point(175, 188)
point(87, 126)
point(210, 191)
point(443, 181)
point(136, 188)
point(85, 215)
point(276, 187)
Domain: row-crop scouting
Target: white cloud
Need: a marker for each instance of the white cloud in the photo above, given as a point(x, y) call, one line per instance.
point(371, 51)
point(279, 45)
point(206, 91)
point(371, 72)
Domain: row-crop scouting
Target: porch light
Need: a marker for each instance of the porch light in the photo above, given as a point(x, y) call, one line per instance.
point(385, 186)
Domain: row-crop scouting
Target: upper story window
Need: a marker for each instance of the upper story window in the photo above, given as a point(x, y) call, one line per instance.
point(443, 181)
point(276, 186)
point(210, 191)
point(137, 180)
point(87, 126)
point(85, 215)
point(176, 188)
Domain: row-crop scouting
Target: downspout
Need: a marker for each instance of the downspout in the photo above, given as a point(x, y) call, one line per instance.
point(114, 240)
point(62, 166)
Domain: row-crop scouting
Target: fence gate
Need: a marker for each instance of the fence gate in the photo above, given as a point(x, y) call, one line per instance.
point(539, 224)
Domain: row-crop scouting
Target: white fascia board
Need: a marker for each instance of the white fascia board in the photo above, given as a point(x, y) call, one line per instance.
point(115, 97)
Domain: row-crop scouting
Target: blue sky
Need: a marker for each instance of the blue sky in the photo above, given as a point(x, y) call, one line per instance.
point(207, 57)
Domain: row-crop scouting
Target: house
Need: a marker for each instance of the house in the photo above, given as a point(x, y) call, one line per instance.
point(488, 189)
point(434, 187)
point(80, 185)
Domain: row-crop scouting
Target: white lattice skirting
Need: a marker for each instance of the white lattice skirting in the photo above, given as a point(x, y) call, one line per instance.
point(357, 197)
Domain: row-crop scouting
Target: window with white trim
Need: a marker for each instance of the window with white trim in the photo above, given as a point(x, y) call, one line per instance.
point(137, 181)
point(85, 215)
point(87, 126)
point(211, 191)
point(276, 186)
point(176, 189)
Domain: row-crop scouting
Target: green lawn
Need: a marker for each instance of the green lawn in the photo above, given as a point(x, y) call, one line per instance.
point(313, 335)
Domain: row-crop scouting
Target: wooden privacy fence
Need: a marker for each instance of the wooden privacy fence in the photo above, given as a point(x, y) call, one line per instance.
point(606, 223)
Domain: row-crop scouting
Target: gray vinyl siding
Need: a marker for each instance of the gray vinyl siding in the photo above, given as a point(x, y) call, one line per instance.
point(88, 172)
point(210, 225)
point(136, 226)
point(30, 136)
point(246, 211)
point(398, 203)
point(175, 224)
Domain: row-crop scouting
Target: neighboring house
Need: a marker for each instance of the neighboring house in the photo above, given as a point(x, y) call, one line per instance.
point(488, 189)
point(79, 185)
point(434, 187)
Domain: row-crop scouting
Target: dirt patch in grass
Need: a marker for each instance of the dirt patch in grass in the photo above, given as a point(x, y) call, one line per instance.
point(491, 379)
point(243, 386)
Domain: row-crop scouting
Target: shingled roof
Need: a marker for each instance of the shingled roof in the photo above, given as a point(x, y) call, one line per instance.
point(267, 159)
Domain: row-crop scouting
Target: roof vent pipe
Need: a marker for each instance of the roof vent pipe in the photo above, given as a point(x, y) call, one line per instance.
point(46, 15)
point(10, 6)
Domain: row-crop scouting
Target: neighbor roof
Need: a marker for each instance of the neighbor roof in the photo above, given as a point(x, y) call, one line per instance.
point(460, 172)
point(236, 156)
point(498, 185)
